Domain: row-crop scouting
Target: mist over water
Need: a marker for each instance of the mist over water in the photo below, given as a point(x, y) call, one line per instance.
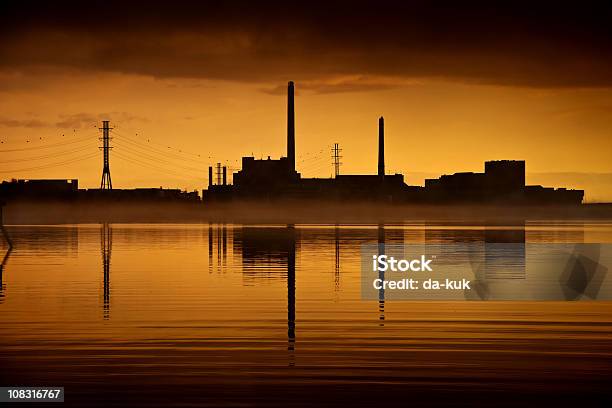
point(290, 211)
point(272, 315)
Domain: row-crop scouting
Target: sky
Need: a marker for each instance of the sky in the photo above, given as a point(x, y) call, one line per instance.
point(189, 84)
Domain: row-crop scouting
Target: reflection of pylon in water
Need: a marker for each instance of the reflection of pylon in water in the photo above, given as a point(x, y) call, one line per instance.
point(337, 257)
point(106, 242)
point(9, 242)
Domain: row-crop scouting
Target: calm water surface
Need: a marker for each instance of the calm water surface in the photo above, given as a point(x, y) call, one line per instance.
point(231, 315)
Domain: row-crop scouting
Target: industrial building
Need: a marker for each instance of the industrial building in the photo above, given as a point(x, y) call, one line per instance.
point(67, 190)
point(503, 181)
point(273, 179)
point(278, 178)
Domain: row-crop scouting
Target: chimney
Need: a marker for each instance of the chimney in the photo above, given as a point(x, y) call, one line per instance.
point(210, 179)
point(381, 146)
point(224, 175)
point(290, 126)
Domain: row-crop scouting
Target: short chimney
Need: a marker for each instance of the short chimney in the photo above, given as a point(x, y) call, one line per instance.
point(381, 146)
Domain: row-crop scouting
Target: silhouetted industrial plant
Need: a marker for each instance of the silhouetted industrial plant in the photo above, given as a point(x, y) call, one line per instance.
point(277, 179)
point(268, 179)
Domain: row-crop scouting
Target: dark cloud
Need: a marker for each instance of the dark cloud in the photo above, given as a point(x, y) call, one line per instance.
point(72, 121)
point(26, 123)
point(341, 84)
point(87, 120)
point(518, 43)
point(77, 121)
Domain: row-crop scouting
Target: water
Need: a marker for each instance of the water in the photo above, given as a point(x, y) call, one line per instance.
point(269, 315)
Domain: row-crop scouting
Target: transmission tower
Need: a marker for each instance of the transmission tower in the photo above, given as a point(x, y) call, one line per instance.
point(336, 156)
point(106, 183)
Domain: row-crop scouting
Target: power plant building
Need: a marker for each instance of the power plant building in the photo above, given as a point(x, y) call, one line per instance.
point(503, 181)
point(270, 179)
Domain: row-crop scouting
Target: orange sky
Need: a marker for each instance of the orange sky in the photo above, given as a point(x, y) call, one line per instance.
point(215, 92)
point(432, 127)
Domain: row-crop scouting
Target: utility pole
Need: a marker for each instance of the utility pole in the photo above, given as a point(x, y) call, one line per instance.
point(106, 183)
point(336, 156)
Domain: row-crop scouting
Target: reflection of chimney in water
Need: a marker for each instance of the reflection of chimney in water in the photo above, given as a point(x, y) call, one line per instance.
point(381, 146)
point(219, 245)
point(224, 231)
point(210, 245)
point(290, 126)
point(291, 288)
point(381, 274)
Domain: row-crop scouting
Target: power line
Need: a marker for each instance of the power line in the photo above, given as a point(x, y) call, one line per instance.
point(52, 164)
point(166, 153)
point(315, 163)
point(46, 146)
point(137, 150)
point(48, 156)
point(151, 150)
point(132, 160)
point(149, 140)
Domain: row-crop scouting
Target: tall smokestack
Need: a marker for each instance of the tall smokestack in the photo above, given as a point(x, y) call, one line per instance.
point(290, 126)
point(210, 176)
point(381, 146)
point(224, 175)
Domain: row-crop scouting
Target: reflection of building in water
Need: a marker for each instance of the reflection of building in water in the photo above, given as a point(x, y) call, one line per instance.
point(505, 252)
point(106, 244)
point(443, 234)
point(386, 237)
point(217, 241)
point(210, 247)
point(268, 254)
point(57, 240)
point(224, 245)
point(493, 251)
point(264, 251)
point(2, 266)
point(561, 233)
point(68, 190)
point(9, 243)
